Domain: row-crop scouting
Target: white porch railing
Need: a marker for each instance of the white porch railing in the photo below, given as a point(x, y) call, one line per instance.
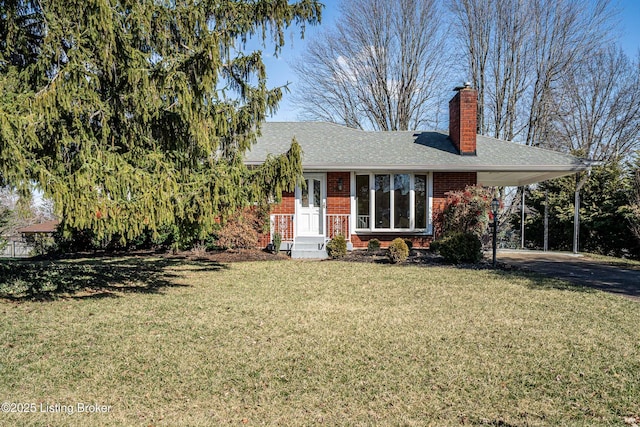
point(282, 224)
point(363, 221)
point(338, 224)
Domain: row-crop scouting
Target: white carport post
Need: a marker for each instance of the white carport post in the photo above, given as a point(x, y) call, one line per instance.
point(524, 188)
point(576, 210)
point(576, 220)
point(546, 220)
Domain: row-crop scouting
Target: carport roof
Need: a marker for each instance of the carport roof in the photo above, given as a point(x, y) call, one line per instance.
point(332, 147)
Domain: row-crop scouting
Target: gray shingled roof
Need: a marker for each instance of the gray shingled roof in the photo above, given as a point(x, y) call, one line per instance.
point(331, 147)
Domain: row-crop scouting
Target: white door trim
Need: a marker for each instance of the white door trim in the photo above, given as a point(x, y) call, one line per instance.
point(305, 215)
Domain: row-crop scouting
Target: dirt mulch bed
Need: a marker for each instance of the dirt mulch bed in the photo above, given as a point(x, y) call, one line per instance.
point(222, 256)
point(423, 257)
point(416, 256)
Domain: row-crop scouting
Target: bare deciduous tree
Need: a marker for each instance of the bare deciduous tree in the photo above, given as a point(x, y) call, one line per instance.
point(598, 101)
point(380, 68)
point(496, 40)
point(18, 212)
point(515, 53)
point(566, 32)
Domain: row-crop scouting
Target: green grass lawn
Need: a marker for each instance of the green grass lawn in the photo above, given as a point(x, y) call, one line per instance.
point(167, 342)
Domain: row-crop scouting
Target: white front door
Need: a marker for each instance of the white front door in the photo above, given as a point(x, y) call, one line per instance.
point(310, 203)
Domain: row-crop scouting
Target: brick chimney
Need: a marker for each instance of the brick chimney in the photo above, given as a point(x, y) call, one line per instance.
point(463, 120)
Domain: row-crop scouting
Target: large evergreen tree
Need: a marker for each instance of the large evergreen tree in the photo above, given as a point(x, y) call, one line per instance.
point(131, 114)
point(633, 214)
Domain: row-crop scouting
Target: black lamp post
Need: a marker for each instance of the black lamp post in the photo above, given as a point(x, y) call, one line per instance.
point(495, 206)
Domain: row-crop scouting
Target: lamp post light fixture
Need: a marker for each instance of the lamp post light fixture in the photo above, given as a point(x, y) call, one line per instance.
point(495, 207)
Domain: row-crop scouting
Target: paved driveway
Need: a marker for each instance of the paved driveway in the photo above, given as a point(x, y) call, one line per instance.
point(578, 270)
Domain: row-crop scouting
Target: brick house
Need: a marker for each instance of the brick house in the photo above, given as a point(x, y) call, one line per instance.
point(385, 185)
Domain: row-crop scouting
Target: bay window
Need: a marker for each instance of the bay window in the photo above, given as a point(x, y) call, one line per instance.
point(421, 203)
point(401, 213)
point(362, 201)
point(382, 201)
point(392, 201)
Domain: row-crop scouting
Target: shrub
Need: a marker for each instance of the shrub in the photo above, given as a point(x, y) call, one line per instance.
point(277, 241)
point(465, 212)
point(398, 251)
point(409, 244)
point(237, 234)
point(337, 247)
point(42, 244)
point(70, 240)
point(5, 215)
point(373, 245)
point(199, 249)
point(459, 247)
point(241, 231)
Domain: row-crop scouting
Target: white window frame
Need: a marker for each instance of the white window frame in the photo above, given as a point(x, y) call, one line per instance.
point(373, 229)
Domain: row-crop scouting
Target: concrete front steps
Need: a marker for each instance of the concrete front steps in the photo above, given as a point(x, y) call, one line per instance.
point(309, 248)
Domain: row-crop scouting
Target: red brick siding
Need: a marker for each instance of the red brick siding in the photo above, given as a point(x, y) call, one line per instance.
point(263, 240)
point(463, 120)
point(360, 241)
point(449, 181)
point(338, 201)
point(286, 206)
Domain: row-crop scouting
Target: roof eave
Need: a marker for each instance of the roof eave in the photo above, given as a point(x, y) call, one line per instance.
point(329, 167)
point(518, 179)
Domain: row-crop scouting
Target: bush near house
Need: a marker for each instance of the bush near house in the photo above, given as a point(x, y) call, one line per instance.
point(465, 211)
point(337, 247)
point(237, 234)
point(277, 241)
point(459, 248)
point(398, 251)
point(241, 231)
point(73, 240)
point(462, 223)
point(373, 245)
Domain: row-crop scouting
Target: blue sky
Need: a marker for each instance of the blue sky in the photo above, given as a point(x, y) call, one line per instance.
point(280, 73)
point(630, 23)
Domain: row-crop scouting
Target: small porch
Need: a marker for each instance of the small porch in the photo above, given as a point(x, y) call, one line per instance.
point(309, 246)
